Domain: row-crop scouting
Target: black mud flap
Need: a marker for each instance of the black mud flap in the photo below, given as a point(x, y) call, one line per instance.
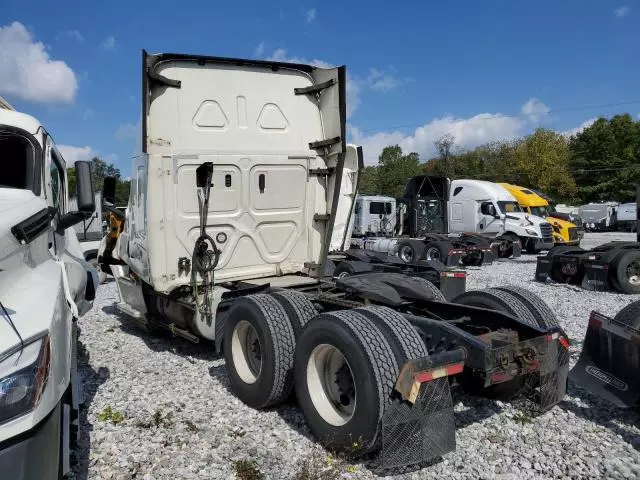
point(419, 425)
point(488, 257)
point(543, 268)
point(609, 365)
point(454, 257)
point(596, 276)
point(517, 250)
point(554, 371)
point(419, 432)
point(453, 283)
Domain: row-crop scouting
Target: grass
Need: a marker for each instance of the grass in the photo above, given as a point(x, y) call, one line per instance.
point(321, 467)
point(109, 414)
point(247, 470)
point(158, 420)
point(523, 418)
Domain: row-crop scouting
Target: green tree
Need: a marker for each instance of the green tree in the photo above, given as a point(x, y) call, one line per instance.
point(605, 159)
point(368, 184)
point(394, 169)
point(99, 170)
point(542, 162)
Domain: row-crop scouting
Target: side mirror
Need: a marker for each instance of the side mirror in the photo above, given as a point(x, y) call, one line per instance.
point(109, 190)
point(85, 196)
point(84, 188)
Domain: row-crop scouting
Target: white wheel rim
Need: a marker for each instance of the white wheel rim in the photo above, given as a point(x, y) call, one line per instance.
point(433, 254)
point(246, 352)
point(331, 386)
point(343, 274)
point(406, 254)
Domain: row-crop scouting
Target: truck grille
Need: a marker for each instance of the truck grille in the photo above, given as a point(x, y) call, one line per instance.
point(573, 233)
point(547, 231)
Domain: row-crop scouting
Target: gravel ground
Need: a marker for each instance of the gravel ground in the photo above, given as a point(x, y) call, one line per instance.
point(158, 408)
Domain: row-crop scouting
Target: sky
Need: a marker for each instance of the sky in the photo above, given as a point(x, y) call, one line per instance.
point(480, 71)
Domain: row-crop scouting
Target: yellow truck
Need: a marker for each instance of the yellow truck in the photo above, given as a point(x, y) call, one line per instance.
point(564, 232)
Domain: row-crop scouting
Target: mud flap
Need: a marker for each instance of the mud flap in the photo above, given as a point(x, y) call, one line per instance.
point(517, 250)
point(543, 268)
point(419, 425)
point(488, 257)
point(609, 365)
point(419, 432)
point(595, 276)
point(454, 257)
point(453, 283)
point(554, 371)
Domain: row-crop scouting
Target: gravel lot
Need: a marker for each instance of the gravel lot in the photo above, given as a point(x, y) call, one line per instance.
point(180, 421)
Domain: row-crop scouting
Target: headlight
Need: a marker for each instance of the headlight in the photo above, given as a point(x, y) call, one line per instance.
point(531, 232)
point(23, 376)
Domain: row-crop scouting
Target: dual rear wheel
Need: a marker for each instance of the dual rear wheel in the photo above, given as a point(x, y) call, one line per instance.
point(343, 364)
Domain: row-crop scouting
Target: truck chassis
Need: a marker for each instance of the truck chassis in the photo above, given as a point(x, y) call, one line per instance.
point(400, 339)
point(611, 266)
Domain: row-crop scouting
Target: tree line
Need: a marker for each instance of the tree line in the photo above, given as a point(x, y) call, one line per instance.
point(600, 163)
point(99, 170)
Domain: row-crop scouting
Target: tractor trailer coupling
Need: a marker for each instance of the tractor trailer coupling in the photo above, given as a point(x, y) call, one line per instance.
point(610, 360)
point(612, 266)
point(450, 281)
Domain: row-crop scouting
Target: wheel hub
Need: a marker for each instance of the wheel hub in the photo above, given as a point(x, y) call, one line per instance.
point(246, 352)
point(633, 273)
point(331, 385)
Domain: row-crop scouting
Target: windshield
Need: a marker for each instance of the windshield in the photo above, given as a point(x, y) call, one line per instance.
point(380, 208)
point(540, 211)
point(509, 207)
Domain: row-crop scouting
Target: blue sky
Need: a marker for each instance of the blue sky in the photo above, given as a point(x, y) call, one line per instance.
point(480, 71)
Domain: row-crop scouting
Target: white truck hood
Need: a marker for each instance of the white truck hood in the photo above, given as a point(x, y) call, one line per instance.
point(525, 218)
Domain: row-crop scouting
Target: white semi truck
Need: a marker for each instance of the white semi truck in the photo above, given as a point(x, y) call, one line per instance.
point(244, 185)
point(374, 215)
point(45, 285)
point(461, 219)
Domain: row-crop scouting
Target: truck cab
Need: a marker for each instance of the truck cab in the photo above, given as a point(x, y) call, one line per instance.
point(489, 209)
point(374, 215)
point(564, 232)
point(45, 285)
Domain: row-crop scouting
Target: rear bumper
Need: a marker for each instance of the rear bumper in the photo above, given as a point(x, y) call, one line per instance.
point(34, 454)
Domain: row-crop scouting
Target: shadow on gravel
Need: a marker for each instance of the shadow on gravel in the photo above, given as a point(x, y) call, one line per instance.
point(92, 379)
point(161, 340)
point(598, 411)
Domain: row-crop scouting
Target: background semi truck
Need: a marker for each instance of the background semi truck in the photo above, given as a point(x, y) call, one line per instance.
point(374, 215)
point(238, 253)
point(564, 232)
point(45, 285)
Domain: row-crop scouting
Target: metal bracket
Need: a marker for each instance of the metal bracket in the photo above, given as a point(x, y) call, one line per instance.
point(321, 171)
point(162, 80)
point(321, 217)
point(313, 89)
point(324, 143)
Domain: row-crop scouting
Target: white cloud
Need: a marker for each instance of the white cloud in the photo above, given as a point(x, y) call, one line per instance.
point(468, 133)
point(383, 81)
point(109, 43)
point(622, 11)
point(353, 83)
point(28, 72)
point(311, 15)
point(534, 110)
point(74, 35)
point(579, 128)
point(259, 49)
point(127, 131)
point(73, 154)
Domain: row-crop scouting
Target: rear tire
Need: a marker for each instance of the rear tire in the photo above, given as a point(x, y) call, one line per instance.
point(433, 292)
point(509, 237)
point(629, 315)
point(626, 272)
point(437, 251)
point(350, 267)
point(410, 251)
point(298, 307)
point(345, 371)
point(499, 300)
point(538, 308)
point(259, 348)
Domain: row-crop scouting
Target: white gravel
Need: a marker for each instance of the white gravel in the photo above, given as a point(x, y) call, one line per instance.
point(180, 421)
